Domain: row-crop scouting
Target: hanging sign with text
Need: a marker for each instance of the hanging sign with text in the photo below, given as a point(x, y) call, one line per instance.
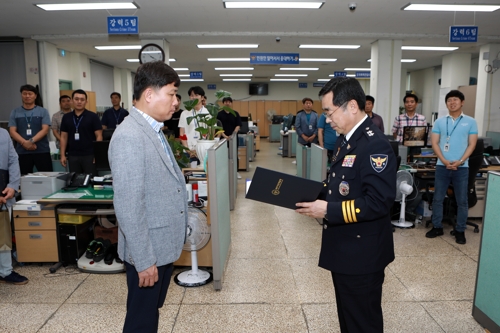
point(123, 25)
point(463, 34)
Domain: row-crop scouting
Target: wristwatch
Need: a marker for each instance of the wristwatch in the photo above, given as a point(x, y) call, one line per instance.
point(461, 162)
point(31, 140)
point(326, 216)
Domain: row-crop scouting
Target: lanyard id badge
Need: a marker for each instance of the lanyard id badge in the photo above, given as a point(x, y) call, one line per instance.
point(28, 131)
point(77, 136)
point(446, 147)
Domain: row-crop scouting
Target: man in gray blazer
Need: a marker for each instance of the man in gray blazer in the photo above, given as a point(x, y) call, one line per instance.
point(149, 196)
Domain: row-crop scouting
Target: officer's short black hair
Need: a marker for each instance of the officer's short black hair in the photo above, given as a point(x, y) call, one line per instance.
point(116, 94)
point(178, 96)
point(63, 97)
point(79, 91)
point(28, 87)
point(412, 96)
point(454, 93)
point(370, 98)
point(227, 99)
point(306, 99)
point(197, 90)
point(345, 89)
point(156, 75)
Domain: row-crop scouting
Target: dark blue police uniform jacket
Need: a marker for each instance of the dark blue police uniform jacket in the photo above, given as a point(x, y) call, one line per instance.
point(360, 190)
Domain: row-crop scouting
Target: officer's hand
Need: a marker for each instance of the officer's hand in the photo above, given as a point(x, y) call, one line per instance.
point(148, 277)
point(64, 161)
point(8, 193)
point(454, 165)
point(316, 209)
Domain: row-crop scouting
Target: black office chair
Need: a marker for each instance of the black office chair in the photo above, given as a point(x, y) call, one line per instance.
point(450, 204)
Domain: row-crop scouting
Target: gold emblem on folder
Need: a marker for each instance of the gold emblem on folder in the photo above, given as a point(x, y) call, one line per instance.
point(276, 190)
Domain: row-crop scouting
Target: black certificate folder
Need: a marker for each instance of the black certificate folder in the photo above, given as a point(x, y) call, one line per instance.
point(281, 189)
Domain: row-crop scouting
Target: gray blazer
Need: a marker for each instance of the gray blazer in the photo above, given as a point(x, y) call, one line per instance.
point(149, 196)
point(9, 161)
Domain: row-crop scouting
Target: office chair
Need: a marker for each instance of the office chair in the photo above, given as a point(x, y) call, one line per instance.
point(450, 204)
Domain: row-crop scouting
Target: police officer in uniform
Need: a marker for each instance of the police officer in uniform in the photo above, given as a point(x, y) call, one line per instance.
point(357, 242)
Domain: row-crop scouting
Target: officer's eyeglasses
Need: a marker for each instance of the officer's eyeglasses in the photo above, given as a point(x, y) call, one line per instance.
point(328, 115)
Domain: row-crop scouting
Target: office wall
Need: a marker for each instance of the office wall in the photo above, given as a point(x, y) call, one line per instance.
point(31, 62)
point(64, 67)
point(102, 83)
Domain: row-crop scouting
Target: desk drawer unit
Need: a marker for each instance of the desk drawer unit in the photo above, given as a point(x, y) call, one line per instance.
point(36, 236)
point(478, 209)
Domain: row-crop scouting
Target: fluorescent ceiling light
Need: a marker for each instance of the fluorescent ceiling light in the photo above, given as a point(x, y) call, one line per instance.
point(273, 4)
point(317, 46)
point(284, 80)
point(301, 75)
point(235, 74)
point(118, 47)
point(228, 59)
point(429, 48)
point(357, 69)
point(227, 46)
point(184, 75)
point(351, 75)
point(233, 68)
point(298, 69)
point(137, 60)
point(318, 59)
point(236, 80)
point(323, 80)
point(181, 69)
point(87, 6)
point(192, 80)
point(402, 60)
point(451, 7)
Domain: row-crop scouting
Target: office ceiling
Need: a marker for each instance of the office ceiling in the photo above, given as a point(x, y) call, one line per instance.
point(185, 23)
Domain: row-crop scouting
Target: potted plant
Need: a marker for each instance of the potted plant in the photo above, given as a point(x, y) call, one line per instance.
point(180, 152)
point(207, 123)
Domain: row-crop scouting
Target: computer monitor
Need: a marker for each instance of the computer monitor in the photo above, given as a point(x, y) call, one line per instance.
point(415, 136)
point(277, 119)
point(244, 126)
point(107, 133)
point(101, 155)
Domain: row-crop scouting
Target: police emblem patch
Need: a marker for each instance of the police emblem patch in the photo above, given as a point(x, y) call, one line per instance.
point(379, 162)
point(344, 188)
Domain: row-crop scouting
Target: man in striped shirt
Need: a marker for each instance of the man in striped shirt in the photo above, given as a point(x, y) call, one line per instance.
point(410, 118)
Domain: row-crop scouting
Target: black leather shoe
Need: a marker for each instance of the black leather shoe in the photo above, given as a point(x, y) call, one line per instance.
point(110, 255)
point(434, 232)
point(460, 237)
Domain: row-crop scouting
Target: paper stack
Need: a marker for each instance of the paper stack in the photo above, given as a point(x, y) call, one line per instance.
point(27, 205)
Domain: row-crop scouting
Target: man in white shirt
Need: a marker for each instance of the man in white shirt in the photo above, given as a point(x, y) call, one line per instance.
point(189, 130)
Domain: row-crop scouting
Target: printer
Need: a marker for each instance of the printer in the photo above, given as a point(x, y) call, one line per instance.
point(35, 186)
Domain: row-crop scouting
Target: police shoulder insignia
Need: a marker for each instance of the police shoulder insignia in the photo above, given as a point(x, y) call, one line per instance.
point(379, 162)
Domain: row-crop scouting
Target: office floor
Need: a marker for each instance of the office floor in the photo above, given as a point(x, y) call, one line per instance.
point(272, 282)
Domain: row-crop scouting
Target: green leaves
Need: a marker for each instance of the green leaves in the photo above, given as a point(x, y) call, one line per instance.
point(189, 105)
point(179, 151)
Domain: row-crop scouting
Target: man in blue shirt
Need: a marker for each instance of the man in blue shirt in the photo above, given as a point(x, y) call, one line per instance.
point(112, 117)
point(306, 123)
point(327, 136)
point(453, 138)
point(29, 125)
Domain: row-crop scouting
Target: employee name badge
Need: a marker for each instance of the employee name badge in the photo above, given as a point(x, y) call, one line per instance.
point(77, 136)
point(310, 127)
point(28, 131)
point(447, 147)
point(196, 136)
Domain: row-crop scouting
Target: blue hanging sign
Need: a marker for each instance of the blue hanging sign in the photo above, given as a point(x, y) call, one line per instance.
point(123, 25)
point(463, 34)
point(339, 74)
point(274, 58)
point(196, 75)
point(363, 75)
point(211, 87)
point(318, 84)
point(302, 84)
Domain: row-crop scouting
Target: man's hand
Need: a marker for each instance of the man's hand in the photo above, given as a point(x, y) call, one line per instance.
point(453, 165)
point(316, 209)
point(8, 193)
point(28, 145)
point(64, 161)
point(148, 277)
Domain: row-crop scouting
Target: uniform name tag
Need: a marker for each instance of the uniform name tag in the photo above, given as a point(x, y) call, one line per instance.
point(348, 161)
point(28, 131)
point(77, 136)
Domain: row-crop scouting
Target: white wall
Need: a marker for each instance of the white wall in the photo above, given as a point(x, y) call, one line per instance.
point(31, 62)
point(64, 67)
point(49, 76)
